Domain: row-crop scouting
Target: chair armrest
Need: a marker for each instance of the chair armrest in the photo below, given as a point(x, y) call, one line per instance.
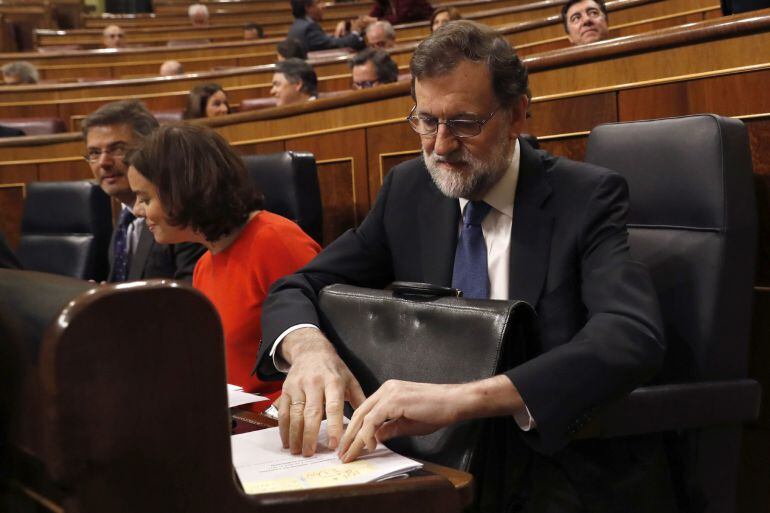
point(677, 406)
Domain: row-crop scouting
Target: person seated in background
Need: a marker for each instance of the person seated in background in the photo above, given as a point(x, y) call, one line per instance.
point(380, 34)
point(401, 11)
point(198, 14)
point(20, 72)
point(113, 37)
point(290, 48)
point(206, 101)
point(294, 81)
point(373, 67)
point(585, 21)
point(307, 16)
point(442, 16)
point(133, 254)
point(200, 192)
point(171, 68)
point(252, 31)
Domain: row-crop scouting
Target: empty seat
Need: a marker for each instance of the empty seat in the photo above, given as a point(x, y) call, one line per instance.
point(289, 181)
point(65, 229)
point(693, 223)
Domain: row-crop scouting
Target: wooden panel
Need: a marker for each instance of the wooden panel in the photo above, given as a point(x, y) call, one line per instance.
point(573, 148)
point(388, 139)
point(759, 137)
point(573, 114)
point(342, 177)
point(11, 209)
point(718, 95)
point(65, 170)
point(18, 173)
point(262, 148)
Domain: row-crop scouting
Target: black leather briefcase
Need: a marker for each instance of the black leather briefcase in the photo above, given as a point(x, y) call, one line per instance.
point(424, 333)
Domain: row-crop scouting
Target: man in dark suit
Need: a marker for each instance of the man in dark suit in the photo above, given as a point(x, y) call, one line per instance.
point(484, 212)
point(306, 28)
point(133, 253)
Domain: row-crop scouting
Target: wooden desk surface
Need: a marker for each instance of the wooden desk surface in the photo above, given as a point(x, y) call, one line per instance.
point(462, 481)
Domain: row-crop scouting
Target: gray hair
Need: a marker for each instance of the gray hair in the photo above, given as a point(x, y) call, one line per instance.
point(390, 32)
point(26, 71)
point(443, 51)
point(125, 112)
point(194, 8)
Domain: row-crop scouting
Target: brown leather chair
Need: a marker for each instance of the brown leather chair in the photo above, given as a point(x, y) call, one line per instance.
point(125, 413)
point(256, 104)
point(168, 116)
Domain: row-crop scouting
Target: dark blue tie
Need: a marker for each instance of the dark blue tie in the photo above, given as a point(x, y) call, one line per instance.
point(120, 270)
point(470, 270)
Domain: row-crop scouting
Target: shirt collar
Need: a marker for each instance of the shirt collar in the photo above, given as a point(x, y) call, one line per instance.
point(502, 194)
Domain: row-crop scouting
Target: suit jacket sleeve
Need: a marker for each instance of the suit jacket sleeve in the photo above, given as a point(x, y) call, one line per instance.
point(317, 39)
point(357, 257)
point(620, 346)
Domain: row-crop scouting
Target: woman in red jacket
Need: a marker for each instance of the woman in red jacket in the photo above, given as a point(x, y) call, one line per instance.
point(192, 187)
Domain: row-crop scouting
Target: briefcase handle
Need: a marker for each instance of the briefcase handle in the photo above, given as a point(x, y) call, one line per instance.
point(422, 291)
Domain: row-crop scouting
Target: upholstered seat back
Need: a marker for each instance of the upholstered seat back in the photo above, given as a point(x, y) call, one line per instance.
point(289, 182)
point(693, 222)
point(36, 126)
point(65, 229)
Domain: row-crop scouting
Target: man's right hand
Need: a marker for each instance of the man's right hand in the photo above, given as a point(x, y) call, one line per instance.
point(318, 381)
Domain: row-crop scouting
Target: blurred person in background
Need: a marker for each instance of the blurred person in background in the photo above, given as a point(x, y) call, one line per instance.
point(401, 11)
point(442, 16)
point(291, 48)
point(380, 34)
point(113, 37)
point(206, 101)
point(20, 72)
point(294, 81)
point(252, 31)
point(372, 67)
point(307, 16)
point(198, 14)
point(585, 21)
point(171, 68)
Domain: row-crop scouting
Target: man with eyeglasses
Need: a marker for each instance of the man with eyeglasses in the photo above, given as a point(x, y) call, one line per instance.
point(372, 67)
point(483, 212)
point(585, 21)
point(134, 255)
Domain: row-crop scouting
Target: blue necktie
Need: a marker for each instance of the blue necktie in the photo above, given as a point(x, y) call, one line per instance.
point(120, 270)
point(470, 270)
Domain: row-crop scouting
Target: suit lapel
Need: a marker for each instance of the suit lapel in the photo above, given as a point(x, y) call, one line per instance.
point(531, 231)
point(142, 251)
point(439, 216)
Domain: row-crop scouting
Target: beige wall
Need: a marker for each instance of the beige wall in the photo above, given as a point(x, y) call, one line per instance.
point(99, 4)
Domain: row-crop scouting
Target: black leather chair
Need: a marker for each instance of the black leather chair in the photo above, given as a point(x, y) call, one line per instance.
point(66, 229)
point(693, 222)
point(289, 181)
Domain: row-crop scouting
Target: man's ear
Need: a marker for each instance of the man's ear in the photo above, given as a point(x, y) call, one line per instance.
point(298, 86)
point(519, 116)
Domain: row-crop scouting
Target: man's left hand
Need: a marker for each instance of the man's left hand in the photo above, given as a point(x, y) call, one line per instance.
point(399, 408)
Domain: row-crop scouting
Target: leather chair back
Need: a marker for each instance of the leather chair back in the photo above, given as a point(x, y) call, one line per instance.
point(256, 104)
point(289, 181)
point(692, 221)
point(66, 229)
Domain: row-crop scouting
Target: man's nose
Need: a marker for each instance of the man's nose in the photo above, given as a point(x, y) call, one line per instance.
point(446, 142)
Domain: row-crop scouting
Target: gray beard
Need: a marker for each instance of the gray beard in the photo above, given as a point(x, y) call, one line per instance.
point(477, 176)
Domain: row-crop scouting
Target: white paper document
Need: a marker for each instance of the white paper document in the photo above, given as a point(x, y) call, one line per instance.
point(263, 465)
point(237, 397)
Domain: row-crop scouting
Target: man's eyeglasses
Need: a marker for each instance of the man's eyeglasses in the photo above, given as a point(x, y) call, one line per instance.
point(365, 84)
point(428, 125)
point(94, 155)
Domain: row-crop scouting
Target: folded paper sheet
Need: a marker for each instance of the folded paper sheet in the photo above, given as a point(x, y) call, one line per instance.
point(263, 465)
